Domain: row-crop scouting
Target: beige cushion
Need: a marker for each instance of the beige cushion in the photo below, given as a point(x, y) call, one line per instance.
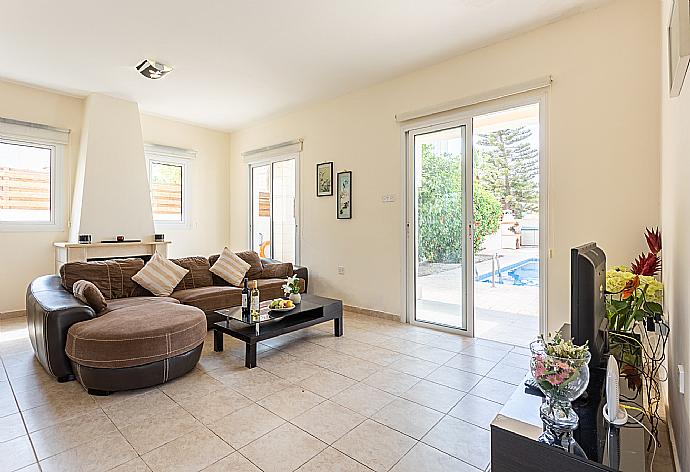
point(230, 267)
point(160, 276)
point(87, 292)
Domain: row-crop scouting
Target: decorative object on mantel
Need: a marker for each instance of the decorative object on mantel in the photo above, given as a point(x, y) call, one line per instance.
point(324, 179)
point(344, 195)
point(160, 237)
point(291, 288)
point(678, 46)
point(84, 239)
point(118, 240)
point(637, 329)
point(561, 371)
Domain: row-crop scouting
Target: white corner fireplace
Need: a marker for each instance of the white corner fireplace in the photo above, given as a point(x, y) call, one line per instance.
point(111, 180)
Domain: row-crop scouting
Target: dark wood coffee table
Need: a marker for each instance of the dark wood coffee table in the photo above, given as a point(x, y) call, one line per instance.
point(313, 310)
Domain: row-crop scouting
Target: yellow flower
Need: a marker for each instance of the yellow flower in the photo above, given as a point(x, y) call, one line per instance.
point(617, 278)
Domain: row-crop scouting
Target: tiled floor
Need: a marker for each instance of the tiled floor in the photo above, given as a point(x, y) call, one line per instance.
point(386, 396)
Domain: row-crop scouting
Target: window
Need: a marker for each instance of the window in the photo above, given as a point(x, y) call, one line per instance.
point(168, 178)
point(30, 163)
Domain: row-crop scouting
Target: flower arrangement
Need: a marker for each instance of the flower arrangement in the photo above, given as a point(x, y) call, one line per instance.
point(561, 371)
point(557, 362)
point(634, 293)
point(292, 285)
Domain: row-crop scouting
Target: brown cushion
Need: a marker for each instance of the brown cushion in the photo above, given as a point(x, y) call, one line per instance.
point(135, 301)
point(136, 335)
point(276, 271)
point(88, 293)
point(199, 274)
point(112, 277)
point(210, 298)
point(272, 288)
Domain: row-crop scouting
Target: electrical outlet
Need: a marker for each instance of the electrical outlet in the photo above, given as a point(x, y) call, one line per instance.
point(681, 379)
point(341, 270)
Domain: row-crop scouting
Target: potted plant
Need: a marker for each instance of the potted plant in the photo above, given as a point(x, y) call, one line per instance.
point(291, 289)
point(637, 330)
point(634, 296)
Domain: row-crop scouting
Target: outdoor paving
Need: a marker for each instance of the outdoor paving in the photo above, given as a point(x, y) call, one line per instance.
point(503, 312)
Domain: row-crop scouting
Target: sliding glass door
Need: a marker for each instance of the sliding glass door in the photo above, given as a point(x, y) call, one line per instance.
point(273, 212)
point(437, 224)
point(476, 214)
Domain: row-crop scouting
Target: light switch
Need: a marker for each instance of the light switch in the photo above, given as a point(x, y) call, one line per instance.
point(388, 198)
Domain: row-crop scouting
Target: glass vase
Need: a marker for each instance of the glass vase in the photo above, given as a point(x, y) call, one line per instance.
point(562, 380)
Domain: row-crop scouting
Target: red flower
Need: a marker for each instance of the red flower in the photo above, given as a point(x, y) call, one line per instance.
point(653, 237)
point(646, 265)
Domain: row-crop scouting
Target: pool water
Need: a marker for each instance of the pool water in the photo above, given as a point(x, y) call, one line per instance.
point(525, 273)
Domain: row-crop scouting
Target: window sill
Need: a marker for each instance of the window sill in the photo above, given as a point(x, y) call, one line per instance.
point(31, 228)
point(161, 226)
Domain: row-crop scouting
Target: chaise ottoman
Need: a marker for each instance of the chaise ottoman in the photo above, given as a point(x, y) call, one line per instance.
point(138, 342)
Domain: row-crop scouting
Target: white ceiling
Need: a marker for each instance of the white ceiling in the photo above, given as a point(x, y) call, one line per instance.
point(237, 61)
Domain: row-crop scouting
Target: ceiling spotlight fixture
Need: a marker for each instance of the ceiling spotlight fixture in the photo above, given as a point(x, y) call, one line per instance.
point(152, 69)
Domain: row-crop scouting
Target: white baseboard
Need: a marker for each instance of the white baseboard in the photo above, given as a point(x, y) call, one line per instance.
point(672, 438)
point(370, 312)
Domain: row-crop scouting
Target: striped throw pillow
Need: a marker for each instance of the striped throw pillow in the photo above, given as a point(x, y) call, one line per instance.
point(230, 267)
point(160, 276)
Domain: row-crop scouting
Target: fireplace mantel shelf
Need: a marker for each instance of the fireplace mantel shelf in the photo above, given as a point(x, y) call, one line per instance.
point(139, 243)
point(76, 252)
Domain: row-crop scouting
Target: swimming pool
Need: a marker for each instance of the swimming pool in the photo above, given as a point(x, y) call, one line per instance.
point(525, 273)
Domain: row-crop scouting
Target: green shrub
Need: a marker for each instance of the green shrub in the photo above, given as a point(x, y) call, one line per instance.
point(440, 201)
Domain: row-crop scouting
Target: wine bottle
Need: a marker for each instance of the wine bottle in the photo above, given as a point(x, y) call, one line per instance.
point(255, 300)
point(245, 298)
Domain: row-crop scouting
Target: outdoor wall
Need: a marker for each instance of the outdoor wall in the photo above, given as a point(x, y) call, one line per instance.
point(603, 151)
point(26, 255)
point(675, 209)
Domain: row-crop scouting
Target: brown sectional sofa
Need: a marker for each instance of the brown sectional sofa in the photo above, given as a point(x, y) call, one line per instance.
point(138, 340)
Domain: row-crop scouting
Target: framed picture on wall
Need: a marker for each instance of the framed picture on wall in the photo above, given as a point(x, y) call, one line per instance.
point(324, 179)
point(678, 45)
point(344, 197)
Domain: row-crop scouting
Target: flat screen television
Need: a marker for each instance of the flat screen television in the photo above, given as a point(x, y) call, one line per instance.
point(588, 320)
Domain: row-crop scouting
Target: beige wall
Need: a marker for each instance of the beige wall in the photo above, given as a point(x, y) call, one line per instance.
point(23, 256)
point(26, 255)
point(603, 151)
point(210, 198)
point(675, 219)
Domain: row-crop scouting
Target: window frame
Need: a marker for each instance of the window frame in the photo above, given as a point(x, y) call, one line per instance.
point(57, 199)
point(166, 155)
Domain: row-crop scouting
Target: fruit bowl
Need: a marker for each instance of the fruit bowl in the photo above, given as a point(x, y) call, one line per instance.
point(280, 305)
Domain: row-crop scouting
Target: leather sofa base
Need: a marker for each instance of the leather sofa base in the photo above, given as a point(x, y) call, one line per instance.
point(105, 381)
